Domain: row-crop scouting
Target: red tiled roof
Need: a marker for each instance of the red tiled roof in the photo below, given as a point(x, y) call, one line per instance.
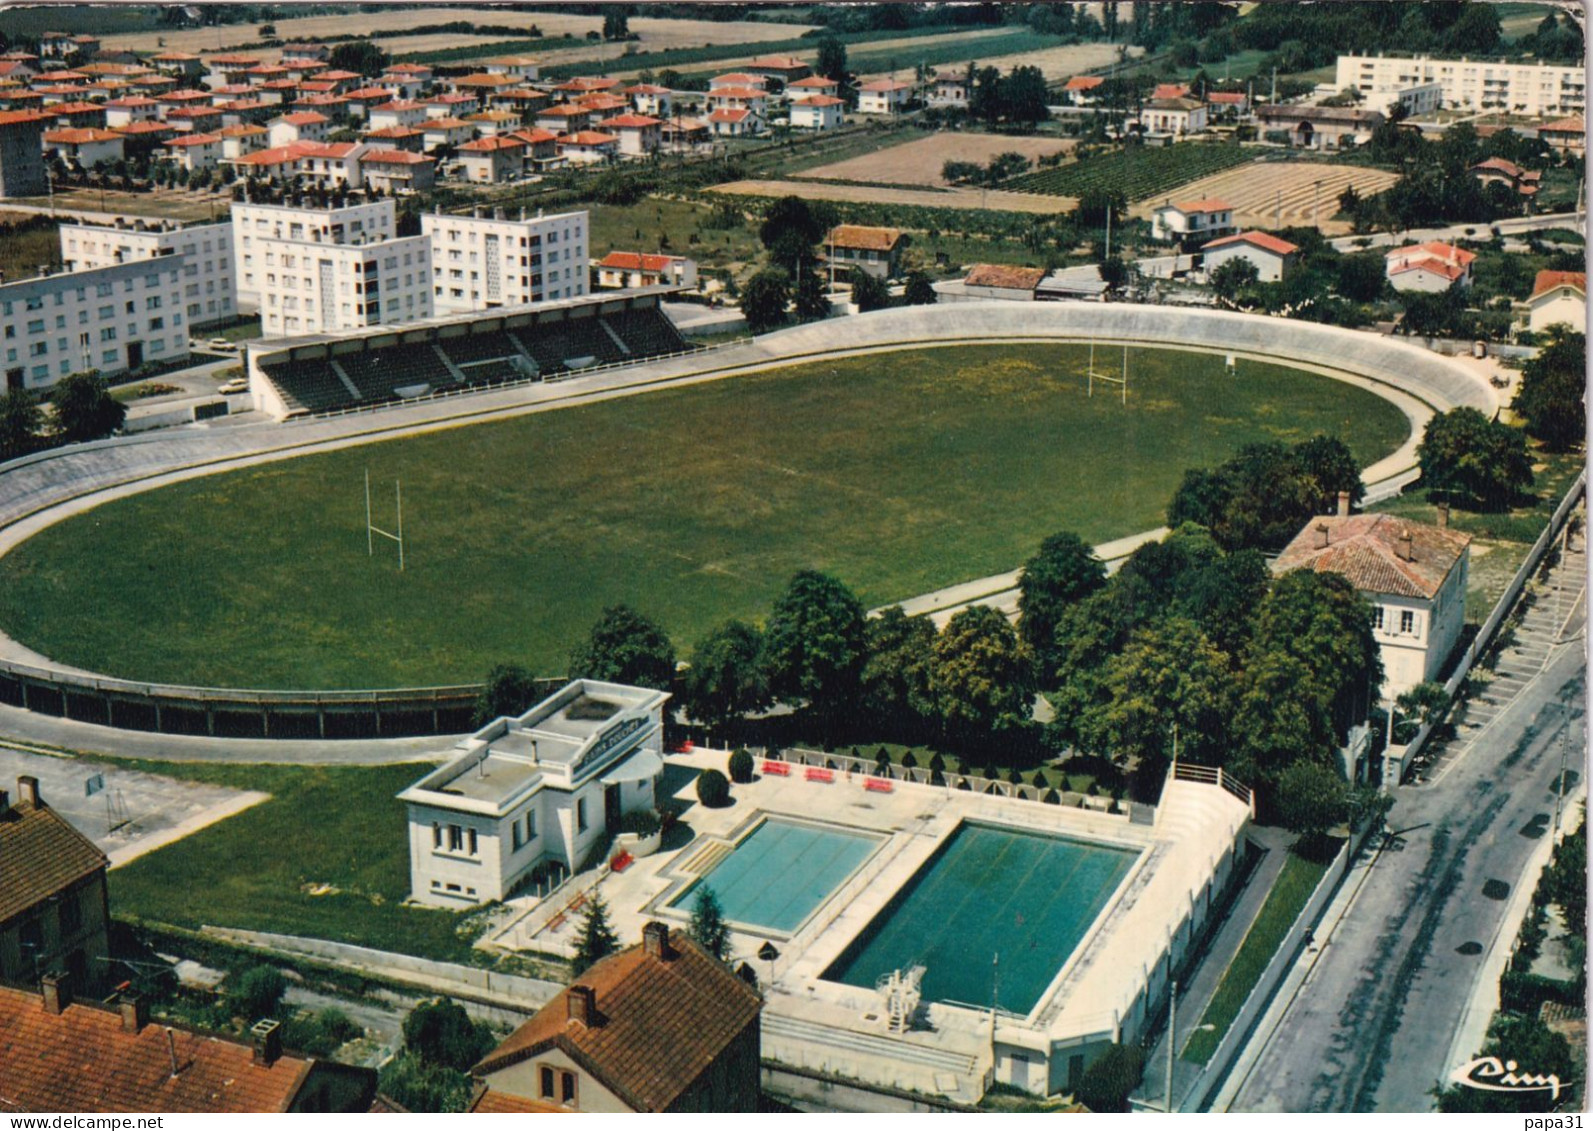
point(490, 1102)
point(304, 118)
point(565, 111)
point(1443, 252)
point(186, 140)
point(131, 102)
point(17, 117)
point(864, 238)
point(1004, 277)
point(648, 88)
point(736, 78)
point(394, 157)
point(534, 136)
point(1209, 204)
point(1170, 90)
point(659, 1025)
point(1366, 550)
point(234, 61)
point(335, 151)
point(588, 138)
point(407, 69)
point(882, 85)
point(370, 92)
point(637, 261)
point(443, 124)
point(1258, 239)
point(491, 144)
point(588, 84)
point(393, 133)
point(1573, 125)
point(818, 100)
point(1083, 82)
point(1499, 165)
point(730, 115)
point(1552, 280)
point(813, 82)
point(134, 129)
point(630, 122)
point(738, 92)
point(79, 136)
point(1226, 97)
point(40, 854)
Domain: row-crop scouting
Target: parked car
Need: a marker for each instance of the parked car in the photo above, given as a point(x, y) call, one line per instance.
point(222, 345)
point(236, 385)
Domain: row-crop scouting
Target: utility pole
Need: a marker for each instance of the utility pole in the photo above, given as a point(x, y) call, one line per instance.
point(1172, 1031)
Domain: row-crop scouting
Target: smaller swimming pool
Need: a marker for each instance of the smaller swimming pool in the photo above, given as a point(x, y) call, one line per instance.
point(776, 876)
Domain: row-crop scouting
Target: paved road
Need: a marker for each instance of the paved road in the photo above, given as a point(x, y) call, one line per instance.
point(1371, 1025)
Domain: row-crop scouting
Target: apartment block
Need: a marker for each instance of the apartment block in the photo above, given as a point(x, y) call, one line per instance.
point(485, 261)
point(208, 275)
point(1532, 89)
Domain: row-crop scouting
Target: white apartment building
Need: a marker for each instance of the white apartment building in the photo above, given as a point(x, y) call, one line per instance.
point(111, 319)
point(329, 270)
point(484, 261)
point(531, 797)
point(206, 249)
point(1534, 89)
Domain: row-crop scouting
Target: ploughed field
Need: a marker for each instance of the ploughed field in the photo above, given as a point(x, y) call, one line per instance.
point(900, 473)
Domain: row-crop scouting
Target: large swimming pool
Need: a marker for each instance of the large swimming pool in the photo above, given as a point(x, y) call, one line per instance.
point(994, 909)
point(778, 874)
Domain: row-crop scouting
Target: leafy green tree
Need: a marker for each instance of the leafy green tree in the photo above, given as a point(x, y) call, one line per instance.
point(1023, 97)
point(1361, 278)
point(598, 939)
point(869, 293)
point(440, 1032)
point(1311, 799)
point(792, 227)
point(1064, 571)
point(895, 679)
point(1107, 1084)
point(1566, 881)
point(1277, 721)
point(815, 644)
point(359, 55)
point(1422, 705)
point(920, 290)
point(713, 790)
point(1221, 597)
point(708, 928)
point(420, 1087)
point(84, 408)
point(1233, 277)
point(725, 679)
point(510, 690)
point(1114, 273)
point(1327, 463)
point(811, 297)
point(616, 21)
point(982, 678)
point(625, 647)
point(831, 62)
point(984, 95)
point(1552, 398)
point(764, 300)
point(20, 422)
point(258, 993)
point(1467, 458)
point(1170, 674)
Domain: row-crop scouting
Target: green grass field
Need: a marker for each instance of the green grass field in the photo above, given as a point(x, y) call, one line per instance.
point(346, 831)
point(899, 473)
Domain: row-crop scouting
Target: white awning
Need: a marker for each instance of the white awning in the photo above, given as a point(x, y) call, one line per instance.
point(644, 765)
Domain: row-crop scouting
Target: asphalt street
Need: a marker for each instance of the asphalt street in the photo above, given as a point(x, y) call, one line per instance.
point(1371, 1025)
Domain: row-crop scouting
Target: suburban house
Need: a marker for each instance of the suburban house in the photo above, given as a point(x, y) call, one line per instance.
point(1496, 170)
point(527, 798)
point(784, 69)
point(1191, 220)
point(195, 151)
point(238, 140)
point(681, 132)
point(639, 269)
point(1226, 104)
point(738, 79)
point(949, 90)
point(128, 109)
point(1176, 116)
point(1428, 267)
point(735, 123)
point(54, 913)
point(884, 96)
point(397, 171)
point(753, 98)
point(386, 115)
point(874, 251)
point(85, 148)
point(445, 131)
point(492, 160)
point(1565, 135)
point(812, 87)
point(1272, 258)
point(638, 134)
point(817, 112)
point(564, 118)
point(1320, 127)
point(1000, 281)
point(650, 98)
point(301, 125)
point(1082, 90)
point(541, 149)
point(662, 1026)
point(1558, 297)
point(1169, 90)
point(1414, 574)
point(588, 147)
point(61, 1054)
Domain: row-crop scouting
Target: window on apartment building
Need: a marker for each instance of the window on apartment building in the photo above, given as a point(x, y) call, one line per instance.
point(456, 838)
point(1407, 621)
point(107, 312)
point(102, 290)
point(39, 349)
point(436, 835)
point(108, 333)
point(110, 357)
point(152, 302)
point(157, 345)
point(43, 371)
point(36, 302)
point(60, 321)
point(567, 1088)
point(157, 323)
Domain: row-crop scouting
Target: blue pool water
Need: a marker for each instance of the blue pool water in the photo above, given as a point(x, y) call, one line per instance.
point(777, 875)
point(987, 894)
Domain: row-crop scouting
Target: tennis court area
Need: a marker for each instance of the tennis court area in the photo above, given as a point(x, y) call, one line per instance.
point(987, 894)
point(777, 875)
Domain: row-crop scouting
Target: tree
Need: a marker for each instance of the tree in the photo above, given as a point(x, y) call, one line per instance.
point(84, 408)
point(791, 227)
point(1467, 458)
point(625, 647)
point(708, 928)
point(1023, 97)
point(764, 300)
point(815, 644)
point(811, 296)
point(598, 939)
point(1361, 278)
point(895, 678)
point(1064, 571)
point(510, 690)
point(1326, 462)
point(1107, 1084)
point(920, 291)
point(258, 993)
point(982, 679)
point(440, 1032)
point(359, 55)
point(984, 94)
point(1233, 277)
point(741, 766)
point(616, 21)
point(713, 790)
point(268, 31)
point(1422, 705)
point(725, 678)
point(1552, 398)
point(20, 422)
point(831, 62)
point(869, 293)
point(1114, 273)
point(1311, 799)
point(417, 1086)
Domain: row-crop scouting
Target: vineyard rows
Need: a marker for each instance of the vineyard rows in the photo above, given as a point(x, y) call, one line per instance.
point(1138, 172)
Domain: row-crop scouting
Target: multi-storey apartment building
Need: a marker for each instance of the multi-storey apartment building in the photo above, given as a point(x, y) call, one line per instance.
point(484, 261)
point(1534, 89)
point(111, 319)
point(22, 153)
point(325, 270)
point(208, 275)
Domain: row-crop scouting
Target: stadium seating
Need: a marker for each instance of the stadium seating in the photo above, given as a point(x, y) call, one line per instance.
point(648, 333)
point(308, 386)
point(479, 347)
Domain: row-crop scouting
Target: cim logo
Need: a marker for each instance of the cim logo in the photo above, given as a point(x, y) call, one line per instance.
point(1490, 1074)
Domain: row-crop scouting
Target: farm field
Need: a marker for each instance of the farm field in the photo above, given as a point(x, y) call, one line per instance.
point(173, 204)
point(919, 162)
point(899, 473)
point(1258, 191)
point(1139, 173)
point(996, 199)
point(882, 59)
point(1057, 63)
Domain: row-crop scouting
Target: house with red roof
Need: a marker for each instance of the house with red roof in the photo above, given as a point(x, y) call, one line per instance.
point(1082, 90)
point(588, 147)
point(650, 98)
point(786, 69)
point(1565, 135)
point(492, 160)
point(1227, 104)
point(884, 96)
point(813, 86)
point(299, 125)
point(1204, 219)
point(196, 118)
point(564, 118)
point(738, 79)
point(638, 134)
point(445, 131)
point(241, 139)
point(735, 123)
point(386, 115)
point(1272, 257)
point(85, 148)
point(541, 148)
point(753, 98)
point(1428, 266)
point(1558, 298)
point(818, 112)
point(452, 105)
point(397, 171)
point(1178, 116)
point(1498, 171)
point(640, 269)
point(194, 151)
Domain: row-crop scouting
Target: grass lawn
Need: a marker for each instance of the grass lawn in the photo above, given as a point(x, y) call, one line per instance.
point(898, 473)
point(648, 224)
point(336, 826)
point(1288, 897)
point(27, 242)
point(170, 204)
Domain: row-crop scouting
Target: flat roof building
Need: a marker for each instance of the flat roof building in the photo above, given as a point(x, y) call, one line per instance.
point(1530, 88)
point(22, 153)
point(208, 275)
point(480, 261)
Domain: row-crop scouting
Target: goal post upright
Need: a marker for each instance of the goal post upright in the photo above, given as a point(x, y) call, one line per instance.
point(371, 529)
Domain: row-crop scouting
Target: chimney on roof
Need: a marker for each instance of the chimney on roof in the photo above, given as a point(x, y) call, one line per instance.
point(56, 989)
point(582, 1002)
point(135, 1014)
point(1443, 516)
point(267, 1038)
point(1405, 545)
point(1344, 504)
point(655, 941)
point(1321, 535)
point(28, 790)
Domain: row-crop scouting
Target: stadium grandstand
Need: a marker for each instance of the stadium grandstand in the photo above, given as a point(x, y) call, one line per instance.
point(310, 376)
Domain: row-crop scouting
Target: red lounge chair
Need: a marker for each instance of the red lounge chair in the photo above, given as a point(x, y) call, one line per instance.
point(783, 769)
point(816, 773)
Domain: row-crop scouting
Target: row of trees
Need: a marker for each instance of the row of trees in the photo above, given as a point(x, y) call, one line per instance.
point(82, 408)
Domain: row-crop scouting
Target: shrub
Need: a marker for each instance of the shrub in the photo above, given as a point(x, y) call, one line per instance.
point(1107, 1084)
point(713, 790)
point(909, 762)
point(640, 822)
point(258, 992)
point(741, 766)
point(1052, 797)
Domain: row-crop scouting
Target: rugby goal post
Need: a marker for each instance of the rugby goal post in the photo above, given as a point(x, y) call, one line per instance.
point(371, 529)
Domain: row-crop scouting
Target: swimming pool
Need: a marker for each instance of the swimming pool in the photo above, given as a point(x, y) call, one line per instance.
point(993, 907)
point(778, 874)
